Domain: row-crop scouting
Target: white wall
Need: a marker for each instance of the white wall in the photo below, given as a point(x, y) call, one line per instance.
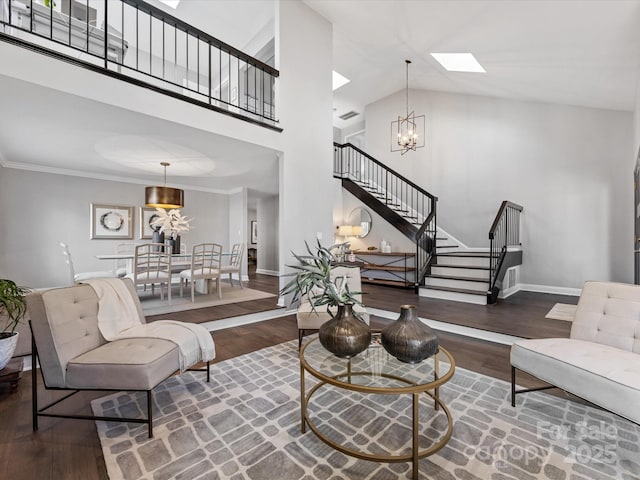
point(569, 167)
point(44, 209)
point(304, 58)
point(267, 218)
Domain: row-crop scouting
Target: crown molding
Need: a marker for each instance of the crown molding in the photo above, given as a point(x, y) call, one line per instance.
point(99, 176)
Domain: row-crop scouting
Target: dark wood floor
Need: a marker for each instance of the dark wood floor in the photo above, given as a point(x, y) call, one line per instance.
point(70, 449)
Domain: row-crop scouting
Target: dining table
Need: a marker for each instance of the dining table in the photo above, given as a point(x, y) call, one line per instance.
point(182, 260)
point(179, 261)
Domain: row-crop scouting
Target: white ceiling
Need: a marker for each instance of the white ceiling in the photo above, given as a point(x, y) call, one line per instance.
point(48, 129)
point(576, 52)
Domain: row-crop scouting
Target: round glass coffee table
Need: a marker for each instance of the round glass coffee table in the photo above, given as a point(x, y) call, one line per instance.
point(375, 372)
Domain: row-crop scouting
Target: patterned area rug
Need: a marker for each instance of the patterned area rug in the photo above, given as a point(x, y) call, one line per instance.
point(562, 311)
point(245, 424)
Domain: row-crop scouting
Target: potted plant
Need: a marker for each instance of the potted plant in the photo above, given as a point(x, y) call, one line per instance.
point(345, 335)
point(172, 223)
point(13, 307)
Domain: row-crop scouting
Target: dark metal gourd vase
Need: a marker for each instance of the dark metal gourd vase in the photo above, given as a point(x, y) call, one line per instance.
point(345, 335)
point(408, 339)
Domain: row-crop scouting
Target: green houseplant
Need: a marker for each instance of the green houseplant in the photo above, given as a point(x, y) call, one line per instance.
point(312, 278)
point(13, 307)
point(345, 335)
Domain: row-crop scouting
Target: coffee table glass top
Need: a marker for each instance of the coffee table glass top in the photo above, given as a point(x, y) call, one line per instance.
point(376, 368)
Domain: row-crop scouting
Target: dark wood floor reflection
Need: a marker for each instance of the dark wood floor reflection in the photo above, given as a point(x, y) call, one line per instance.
point(70, 449)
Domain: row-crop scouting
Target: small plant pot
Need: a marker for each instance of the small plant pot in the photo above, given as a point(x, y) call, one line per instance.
point(8, 342)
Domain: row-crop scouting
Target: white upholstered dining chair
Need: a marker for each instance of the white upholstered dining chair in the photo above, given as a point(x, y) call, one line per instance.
point(152, 266)
point(80, 277)
point(124, 266)
point(235, 263)
point(205, 265)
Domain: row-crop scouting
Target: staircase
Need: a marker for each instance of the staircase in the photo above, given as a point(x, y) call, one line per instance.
point(460, 274)
point(406, 206)
point(445, 268)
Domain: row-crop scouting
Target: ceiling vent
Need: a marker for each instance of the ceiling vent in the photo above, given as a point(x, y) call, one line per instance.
point(348, 115)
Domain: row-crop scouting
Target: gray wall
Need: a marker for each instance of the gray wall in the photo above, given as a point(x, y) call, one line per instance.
point(43, 209)
point(569, 167)
point(268, 224)
point(237, 221)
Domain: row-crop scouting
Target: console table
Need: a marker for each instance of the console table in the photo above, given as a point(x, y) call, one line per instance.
point(395, 268)
point(374, 371)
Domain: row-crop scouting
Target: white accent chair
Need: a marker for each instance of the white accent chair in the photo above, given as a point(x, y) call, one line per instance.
point(235, 263)
point(73, 354)
point(309, 318)
point(80, 277)
point(205, 265)
point(152, 266)
point(600, 361)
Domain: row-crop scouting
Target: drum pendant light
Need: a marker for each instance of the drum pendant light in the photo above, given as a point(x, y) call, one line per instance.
point(164, 197)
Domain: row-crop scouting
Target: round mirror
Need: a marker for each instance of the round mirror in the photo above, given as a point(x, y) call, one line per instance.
point(360, 217)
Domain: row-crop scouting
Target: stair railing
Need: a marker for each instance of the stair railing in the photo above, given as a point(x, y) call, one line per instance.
point(141, 44)
point(504, 232)
point(413, 203)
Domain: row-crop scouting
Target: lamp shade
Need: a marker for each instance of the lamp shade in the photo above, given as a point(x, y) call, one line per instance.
point(357, 230)
point(345, 230)
point(163, 197)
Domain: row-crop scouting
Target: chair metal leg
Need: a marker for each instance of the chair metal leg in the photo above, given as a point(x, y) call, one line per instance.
point(300, 335)
point(219, 286)
point(34, 384)
point(231, 279)
point(150, 413)
point(193, 286)
point(208, 371)
point(513, 386)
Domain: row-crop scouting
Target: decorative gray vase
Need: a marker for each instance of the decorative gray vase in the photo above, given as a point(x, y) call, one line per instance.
point(345, 335)
point(408, 339)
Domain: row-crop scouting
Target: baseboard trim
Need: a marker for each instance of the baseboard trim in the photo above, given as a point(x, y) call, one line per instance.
point(273, 273)
point(528, 287)
point(509, 291)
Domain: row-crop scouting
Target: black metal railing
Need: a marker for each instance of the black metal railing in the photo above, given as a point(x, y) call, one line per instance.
point(405, 198)
point(504, 232)
point(138, 42)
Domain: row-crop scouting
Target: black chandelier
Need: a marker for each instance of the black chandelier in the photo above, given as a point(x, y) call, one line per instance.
point(407, 133)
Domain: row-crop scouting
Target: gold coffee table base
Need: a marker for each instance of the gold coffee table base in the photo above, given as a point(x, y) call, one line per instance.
point(349, 381)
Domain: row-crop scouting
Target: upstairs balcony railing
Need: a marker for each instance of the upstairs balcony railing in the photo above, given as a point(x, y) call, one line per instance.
point(141, 44)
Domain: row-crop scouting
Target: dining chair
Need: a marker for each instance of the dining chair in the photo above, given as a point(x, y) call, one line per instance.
point(125, 265)
point(80, 277)
point(205, 265)
point(152, 266)
point(235, 263)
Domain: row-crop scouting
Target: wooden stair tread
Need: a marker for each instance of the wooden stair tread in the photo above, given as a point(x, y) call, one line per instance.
point(471, 267)
point(456, 290)
point(446, 246)
point(464, 279)
point(465, 254)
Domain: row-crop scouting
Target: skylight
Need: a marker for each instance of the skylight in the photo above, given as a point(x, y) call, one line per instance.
point(171, 3)
point(339, 80)
point(459, 62)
